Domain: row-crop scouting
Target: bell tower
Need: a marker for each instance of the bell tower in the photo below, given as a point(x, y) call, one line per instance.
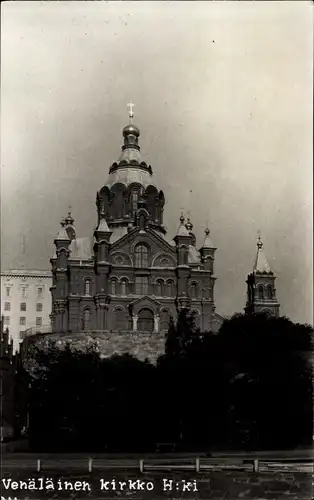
point(261, 291)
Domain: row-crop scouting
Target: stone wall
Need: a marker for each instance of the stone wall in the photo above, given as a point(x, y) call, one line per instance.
point(141, 345)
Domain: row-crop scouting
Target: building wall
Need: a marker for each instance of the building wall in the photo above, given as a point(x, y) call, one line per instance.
point(28, 287)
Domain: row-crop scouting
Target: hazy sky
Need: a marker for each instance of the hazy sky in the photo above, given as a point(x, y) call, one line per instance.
point(223, 95)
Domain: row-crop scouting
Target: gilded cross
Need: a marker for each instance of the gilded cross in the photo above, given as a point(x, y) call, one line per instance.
point(130, 105)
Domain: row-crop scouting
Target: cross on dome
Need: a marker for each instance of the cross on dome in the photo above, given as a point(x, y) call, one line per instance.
point(130, 106)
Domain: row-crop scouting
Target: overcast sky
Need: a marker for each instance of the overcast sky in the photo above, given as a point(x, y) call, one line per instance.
point(223, 95)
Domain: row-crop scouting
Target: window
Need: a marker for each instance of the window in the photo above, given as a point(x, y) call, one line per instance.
point(193, 291)
point(159, 287)
point(141, 256)
point(134, 202)
point(22, 320)
point(87, 287)
point(123, 287)
point(164, 320)
point(269, 292)
point(39, 321)
point(7, 306)
point(22, 334)
point(24, 292)
point(40, 291)
point(8, 291)
point(6, 320)
point(170, 289)
point(39, 307)
point(119, 319)
point(86, 318)
point(23, 306)
point(141, 285)
point(260, 292)
point(113, 287)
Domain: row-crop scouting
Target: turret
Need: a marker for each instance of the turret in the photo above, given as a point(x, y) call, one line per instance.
point(207, 252)
point(183, 240)
point(261, 291)
point(60, 280)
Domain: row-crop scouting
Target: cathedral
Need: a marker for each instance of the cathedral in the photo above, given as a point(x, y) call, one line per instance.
point(129, 275)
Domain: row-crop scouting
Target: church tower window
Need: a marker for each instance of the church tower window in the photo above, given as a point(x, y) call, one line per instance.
point(134, 202)
point(113, 287)
point(123, 287)
point(269, 292)
point(261, 292)
point(159, 288)
point(141, 256)
point(87, 287)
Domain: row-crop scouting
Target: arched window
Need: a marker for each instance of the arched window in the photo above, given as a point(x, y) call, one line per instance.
point(170, 291)
point(141, 256)
point(159, 288)
point(164, 320)
point(269, 292)
point(193, 291)
point(134, 202)
point(145, 320)
point(86, 319)
point(119, 319)
point(260, 292)
point(113, 287)
point(124, 287)
point(87, 286)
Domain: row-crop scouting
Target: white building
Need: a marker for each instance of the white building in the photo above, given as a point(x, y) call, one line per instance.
point(25, 301)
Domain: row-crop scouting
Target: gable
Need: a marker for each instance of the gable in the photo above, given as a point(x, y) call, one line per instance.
point(156, 245)
point(145, 302)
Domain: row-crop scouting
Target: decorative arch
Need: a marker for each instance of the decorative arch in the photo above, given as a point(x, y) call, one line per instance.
point(145, 320)
point(141, 255)
point(121, 258)
point(157, 260)
point(266, 311)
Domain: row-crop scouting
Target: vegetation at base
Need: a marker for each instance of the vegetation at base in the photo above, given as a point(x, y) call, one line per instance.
point(247, 387)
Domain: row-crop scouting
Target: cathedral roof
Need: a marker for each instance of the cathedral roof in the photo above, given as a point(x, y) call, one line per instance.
point(261, 264)
point(62, 234)
point(182, 230)
point(129, 174)
point(208, 241)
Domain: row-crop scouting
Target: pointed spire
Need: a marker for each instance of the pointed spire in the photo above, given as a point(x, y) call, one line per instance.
point(62, 234)
point(261, 264)
point(207, 240)
point(182, 230)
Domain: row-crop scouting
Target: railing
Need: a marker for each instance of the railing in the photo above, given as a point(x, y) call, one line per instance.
point(174, 464)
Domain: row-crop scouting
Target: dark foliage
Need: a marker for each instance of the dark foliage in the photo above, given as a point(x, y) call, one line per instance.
point(249, 386)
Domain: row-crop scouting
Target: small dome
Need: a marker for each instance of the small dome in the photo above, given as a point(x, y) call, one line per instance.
point(131, 129)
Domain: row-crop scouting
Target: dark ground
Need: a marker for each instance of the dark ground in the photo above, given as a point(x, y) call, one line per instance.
point(289, 480)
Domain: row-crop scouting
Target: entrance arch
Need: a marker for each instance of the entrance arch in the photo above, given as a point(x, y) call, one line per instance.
point(145, 320)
